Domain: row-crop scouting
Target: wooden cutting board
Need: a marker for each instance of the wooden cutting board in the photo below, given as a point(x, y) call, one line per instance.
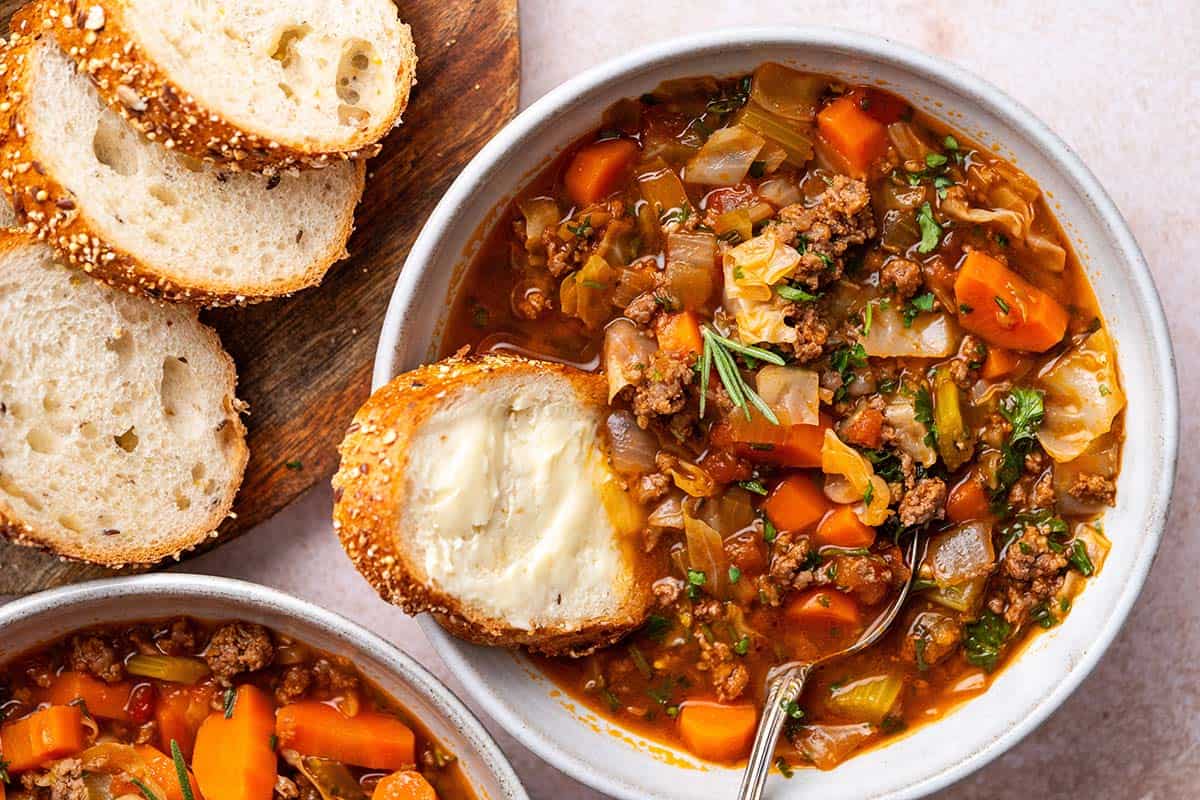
point(305, 363)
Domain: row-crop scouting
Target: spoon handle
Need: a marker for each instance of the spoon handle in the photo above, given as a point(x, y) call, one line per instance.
point(784, 689)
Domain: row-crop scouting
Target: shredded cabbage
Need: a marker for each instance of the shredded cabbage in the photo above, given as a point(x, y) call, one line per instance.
point(1083, 397)
point(725, 158)
point(839, 458)
point(927, 336)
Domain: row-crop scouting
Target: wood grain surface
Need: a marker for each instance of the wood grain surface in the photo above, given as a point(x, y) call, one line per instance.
point(304, 363)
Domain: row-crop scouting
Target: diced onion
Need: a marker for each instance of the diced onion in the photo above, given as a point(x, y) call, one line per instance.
point(541, 214)
point(961, 554)
point(907, 141)
point(780, 192)
point(1083, 397)
point(791, 392)
point(668, 513)
point(706, 553)
point(901, 414)
point(929, 335)
point(786, 92)
point(693, 480)
point(829, 745)
point(698, 248)
point(725, 158)
point(632, 449)
point(624, 348)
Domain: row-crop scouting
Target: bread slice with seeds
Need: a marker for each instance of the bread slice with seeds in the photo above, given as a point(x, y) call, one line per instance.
point(256, 84)
point(140, 216)
point(120, 439)
point(480, 490)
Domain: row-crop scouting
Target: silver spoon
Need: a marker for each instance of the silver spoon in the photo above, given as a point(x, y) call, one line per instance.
point(786, 682)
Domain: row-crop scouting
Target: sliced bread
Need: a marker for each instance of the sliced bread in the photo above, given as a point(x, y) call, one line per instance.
point(479, 489)
point(120, 441)
point(256, 84)
point(140, 216)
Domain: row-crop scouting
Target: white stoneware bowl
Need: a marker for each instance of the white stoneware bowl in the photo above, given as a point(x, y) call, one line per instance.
point(619, 762)
point(40, 618)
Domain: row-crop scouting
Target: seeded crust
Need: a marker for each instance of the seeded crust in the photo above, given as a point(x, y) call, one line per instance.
point(20, 532)
point(47, 211)
point(369, 489)
point(92, 33)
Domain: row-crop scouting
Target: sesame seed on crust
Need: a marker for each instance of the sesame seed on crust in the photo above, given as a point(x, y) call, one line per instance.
point(93, 33)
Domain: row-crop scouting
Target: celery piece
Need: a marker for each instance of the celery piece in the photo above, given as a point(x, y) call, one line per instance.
point(867, 699)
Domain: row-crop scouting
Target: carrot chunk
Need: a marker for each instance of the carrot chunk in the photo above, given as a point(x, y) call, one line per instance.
point(234, 758)
point(154, 768)
point(680, 333)
point(1000, 362)
point(823, 607)
point(404, 785)
point(758, 440)
point(46, 735)
point(796, 504)
point(855, 135)
point(842, 528)
point(1004, 308)
point(597, 170)
point(717, 732)
point(968, 500)
point(179, 713)
point(375, 741)
point(104, 700)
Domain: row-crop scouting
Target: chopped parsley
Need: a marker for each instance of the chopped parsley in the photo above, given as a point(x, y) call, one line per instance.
point(920, 303)
point(923, 413)
point(769, 531)
point(695, 579)
point(4, 776)
point(1001, 304)
point(657, 627)
point(1080, 559)
point(1024, 410)
point(795, 294)
point(935, 160)
point(785, 769)
point(584, 228)
point(793, 709)
point(941, 183)
point(758, 169)
point(1042, 616)
point(892, 724)
point(869, 494)
point(295, 464)
point(230, 702)
point(985, 639)
point(679, 215)
point(742, 646)
point(931, 231)
point(950, 143)
point(755, 487)
point(735, 574)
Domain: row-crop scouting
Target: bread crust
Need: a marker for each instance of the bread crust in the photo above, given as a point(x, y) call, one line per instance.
point(51, 213)
point(134, 86)
point(369, 490)
point(22, 532)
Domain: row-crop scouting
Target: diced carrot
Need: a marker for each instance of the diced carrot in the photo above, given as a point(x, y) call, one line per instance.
point(103, 700)
point(404, 785)
point(597, 170)
point(883, 106)
point(796, 504)
point(968, 500)
point(179, 713)
point(234, 757)
point(864, 428)
point(46, 735)
point(842, 528)
point(371, 740)
point(1005, 309)
point(760, 441)
point(855, 135)
point(1000, 362)
point(679, 333)
point(717, 732)
point(823, 606)
point(156, 769)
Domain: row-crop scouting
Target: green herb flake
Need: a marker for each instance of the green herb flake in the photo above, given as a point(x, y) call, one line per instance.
point(181, 771)
point(931, 231)
point(795, 295)
point(657, 627)
point(146, 791)
point(696, 577)
point(950, 143)
point(935, 160)
point(769, 531)
point(785, 769)
point(742, 646)
point(985, 639)
point(295, 464)
point(735, 574)
point(1042, 616)
point(4, 776)
point(1001, 304)
point(792, 709)
point(758, 169)
point(1080, 559)
point(892, 724)
point(230, 701)
point(754, 487)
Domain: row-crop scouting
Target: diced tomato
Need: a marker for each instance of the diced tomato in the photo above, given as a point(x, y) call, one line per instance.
point(883, 106)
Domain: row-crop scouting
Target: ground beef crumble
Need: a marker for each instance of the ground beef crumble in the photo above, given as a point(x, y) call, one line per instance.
point(96, 656)
point(1031, 572)
point(901, 276)
point(239, 647)
point(662, 387)
point(729, 678)
point(924, 502)
point(812, 332)
point(1096, 489)
point(840, 218)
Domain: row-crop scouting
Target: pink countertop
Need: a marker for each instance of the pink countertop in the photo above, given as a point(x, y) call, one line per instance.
point(1122, 86)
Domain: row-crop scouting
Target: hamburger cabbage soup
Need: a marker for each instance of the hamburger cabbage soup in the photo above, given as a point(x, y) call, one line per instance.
point(826, 321)
point(183, 709)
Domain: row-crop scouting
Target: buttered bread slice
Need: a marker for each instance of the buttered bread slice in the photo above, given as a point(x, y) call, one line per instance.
point(253, 84)
point(479, 489)
point(143, 217)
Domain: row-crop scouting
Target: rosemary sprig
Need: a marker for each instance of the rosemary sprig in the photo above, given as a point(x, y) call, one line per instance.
point(717, 354)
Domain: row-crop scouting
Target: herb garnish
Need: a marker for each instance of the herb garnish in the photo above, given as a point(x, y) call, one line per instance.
point(735, 574)
point(984, 640)
point(923, 413)
point(230, 700)
point(1024, 410)
point(922, 302)
point(181, 771)
point(795, 294)
point(931, 231)
point(717, 353)
point(755, 487)
point(1080, 559)
point(146, 791)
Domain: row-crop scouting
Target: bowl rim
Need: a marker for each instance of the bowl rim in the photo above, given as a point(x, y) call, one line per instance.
point(931, 68)
point(244, 594)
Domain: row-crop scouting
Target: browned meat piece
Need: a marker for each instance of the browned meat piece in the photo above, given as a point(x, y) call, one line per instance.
point(179, 639)
point(239, 647)
point(649, 488)
point(1030, 573)
point(867, 578)
point(64, 779)
point(729, 678)
point(995, 431)
point(667, 591)
point(1097, 489)
point(96, 656)
point(930, 638)
point(332, 678)
point(840, 219)
point(643, 309)
point(293, 684)
point(1043, 495)
point(924, 502)
point(901, 276)
point(811, 331)
point(663, 388)
point(964, 367)
point(790, 566)
point(531, 303)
